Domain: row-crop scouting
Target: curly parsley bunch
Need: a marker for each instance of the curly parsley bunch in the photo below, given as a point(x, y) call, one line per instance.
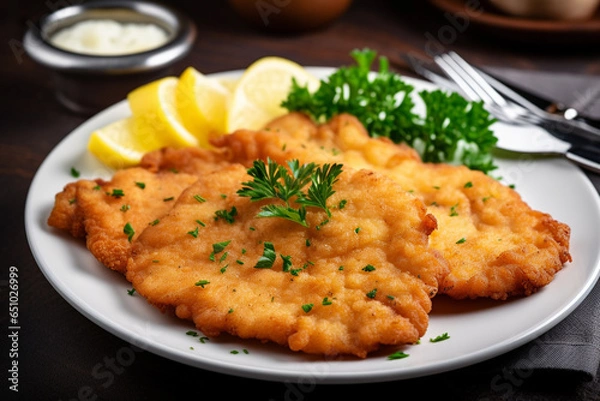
point(451, 130)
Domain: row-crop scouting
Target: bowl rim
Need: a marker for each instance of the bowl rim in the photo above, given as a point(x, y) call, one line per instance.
point(182, 36)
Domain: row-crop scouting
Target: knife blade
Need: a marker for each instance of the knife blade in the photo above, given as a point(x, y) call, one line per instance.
point(560, 125)
point(555, 92)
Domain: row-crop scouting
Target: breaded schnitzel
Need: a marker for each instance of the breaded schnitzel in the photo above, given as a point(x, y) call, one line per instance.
point(343, 285)
point(495, 244)
point(100, 210)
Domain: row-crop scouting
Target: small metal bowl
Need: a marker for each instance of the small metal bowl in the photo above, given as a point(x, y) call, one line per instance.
point(89, 83)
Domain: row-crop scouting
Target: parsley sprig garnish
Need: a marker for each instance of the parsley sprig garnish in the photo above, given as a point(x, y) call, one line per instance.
point(451, 130)
point(276, 182)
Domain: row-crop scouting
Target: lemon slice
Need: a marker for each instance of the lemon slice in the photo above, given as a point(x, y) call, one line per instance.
point(229, 83)
point(117, 144)
point(154, 107)
point(263, 86)
point(202, 105)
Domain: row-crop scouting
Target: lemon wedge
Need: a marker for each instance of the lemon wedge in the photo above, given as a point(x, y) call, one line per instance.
point(154, 107)
point(117, 144)
point(262, 87)
point(202, 105)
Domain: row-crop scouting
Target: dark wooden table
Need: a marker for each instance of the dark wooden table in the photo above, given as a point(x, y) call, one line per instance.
point(59, 348)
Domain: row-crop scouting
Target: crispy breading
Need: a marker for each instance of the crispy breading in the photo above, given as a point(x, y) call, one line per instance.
point(65, 214)
point(496, 245)
point(99, 210)
point(367, 273)
point(192, 160)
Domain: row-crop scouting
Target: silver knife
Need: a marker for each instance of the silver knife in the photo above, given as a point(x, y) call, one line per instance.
point(562, 125)
point(582, 100)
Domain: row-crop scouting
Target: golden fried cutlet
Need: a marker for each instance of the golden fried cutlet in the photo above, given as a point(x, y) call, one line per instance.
point(496, 245)
point(99, 210)
point(362, 279)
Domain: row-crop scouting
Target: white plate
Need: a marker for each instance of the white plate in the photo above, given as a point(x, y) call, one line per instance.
point(479, 330)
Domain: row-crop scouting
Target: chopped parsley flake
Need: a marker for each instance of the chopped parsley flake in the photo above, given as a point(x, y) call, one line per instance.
point(397, 355)
point(117, 193)
point(369, 268)
point(219, 246)
point(307, 307)
point(268, 257)
point(469, 184)
point(192, 333)
point(461, 241)
point(140, 185)
point(287, 263)
point(129, 231)
point(131, 291)
point(194, 233)
point(371, 294)
point(170, 198)
point(201, 283)
point(228, 216)
point(75, 173)
point(199, 198)
point(441, 337)
point(326, 301)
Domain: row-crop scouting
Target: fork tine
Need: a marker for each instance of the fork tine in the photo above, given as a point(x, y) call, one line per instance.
point(472, 90)
point(469, 79)
point(478, 79)
point(424, 69)
point(464, 86)
point(509, 110)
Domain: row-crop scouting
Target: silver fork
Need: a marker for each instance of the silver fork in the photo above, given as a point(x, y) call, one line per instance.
point(475, 87)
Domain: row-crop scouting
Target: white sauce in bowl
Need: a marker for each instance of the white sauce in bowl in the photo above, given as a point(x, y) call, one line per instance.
point(105, 37)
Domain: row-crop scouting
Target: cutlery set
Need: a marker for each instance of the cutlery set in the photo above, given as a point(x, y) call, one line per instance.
point(534, 130)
